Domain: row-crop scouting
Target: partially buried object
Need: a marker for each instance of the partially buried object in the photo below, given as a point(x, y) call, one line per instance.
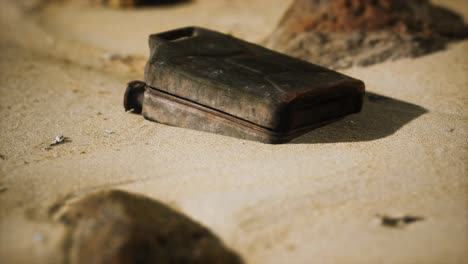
point(205, 80)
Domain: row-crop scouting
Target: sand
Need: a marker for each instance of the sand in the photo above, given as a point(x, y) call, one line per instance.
point(63, 70)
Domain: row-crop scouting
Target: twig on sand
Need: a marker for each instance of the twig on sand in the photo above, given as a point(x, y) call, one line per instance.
point(398, 221)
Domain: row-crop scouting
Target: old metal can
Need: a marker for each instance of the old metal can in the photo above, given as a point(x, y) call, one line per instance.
point(205, 80)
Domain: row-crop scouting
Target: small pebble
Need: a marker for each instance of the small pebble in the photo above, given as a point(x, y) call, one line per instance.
point(38, 237)
point(58, 140)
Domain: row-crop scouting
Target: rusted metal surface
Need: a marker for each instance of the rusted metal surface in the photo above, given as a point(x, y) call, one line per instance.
point(205, 80)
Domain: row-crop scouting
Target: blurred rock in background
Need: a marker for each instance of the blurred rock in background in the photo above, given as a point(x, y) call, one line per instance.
point(343, 33)
point(114, 226)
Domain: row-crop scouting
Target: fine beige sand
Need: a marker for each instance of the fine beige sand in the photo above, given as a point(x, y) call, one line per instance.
point(63, 70)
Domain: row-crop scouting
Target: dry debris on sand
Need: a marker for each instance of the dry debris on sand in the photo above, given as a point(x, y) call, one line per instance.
point(398, 221)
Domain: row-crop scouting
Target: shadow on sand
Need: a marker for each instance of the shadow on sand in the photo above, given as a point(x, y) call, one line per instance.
point(380, 117)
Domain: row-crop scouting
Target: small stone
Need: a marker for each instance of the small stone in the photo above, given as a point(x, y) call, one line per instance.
point(38, 238)
point(58, 140)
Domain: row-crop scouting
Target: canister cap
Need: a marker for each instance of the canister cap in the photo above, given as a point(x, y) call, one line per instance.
point(133, 98)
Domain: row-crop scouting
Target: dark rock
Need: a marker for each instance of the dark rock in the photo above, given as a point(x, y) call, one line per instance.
point(119, 227)
point(343, 33)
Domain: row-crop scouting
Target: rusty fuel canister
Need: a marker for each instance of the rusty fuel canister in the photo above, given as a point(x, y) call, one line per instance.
point(205, 80)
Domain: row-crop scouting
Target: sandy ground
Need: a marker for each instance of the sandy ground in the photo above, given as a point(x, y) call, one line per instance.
point(313, 200)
